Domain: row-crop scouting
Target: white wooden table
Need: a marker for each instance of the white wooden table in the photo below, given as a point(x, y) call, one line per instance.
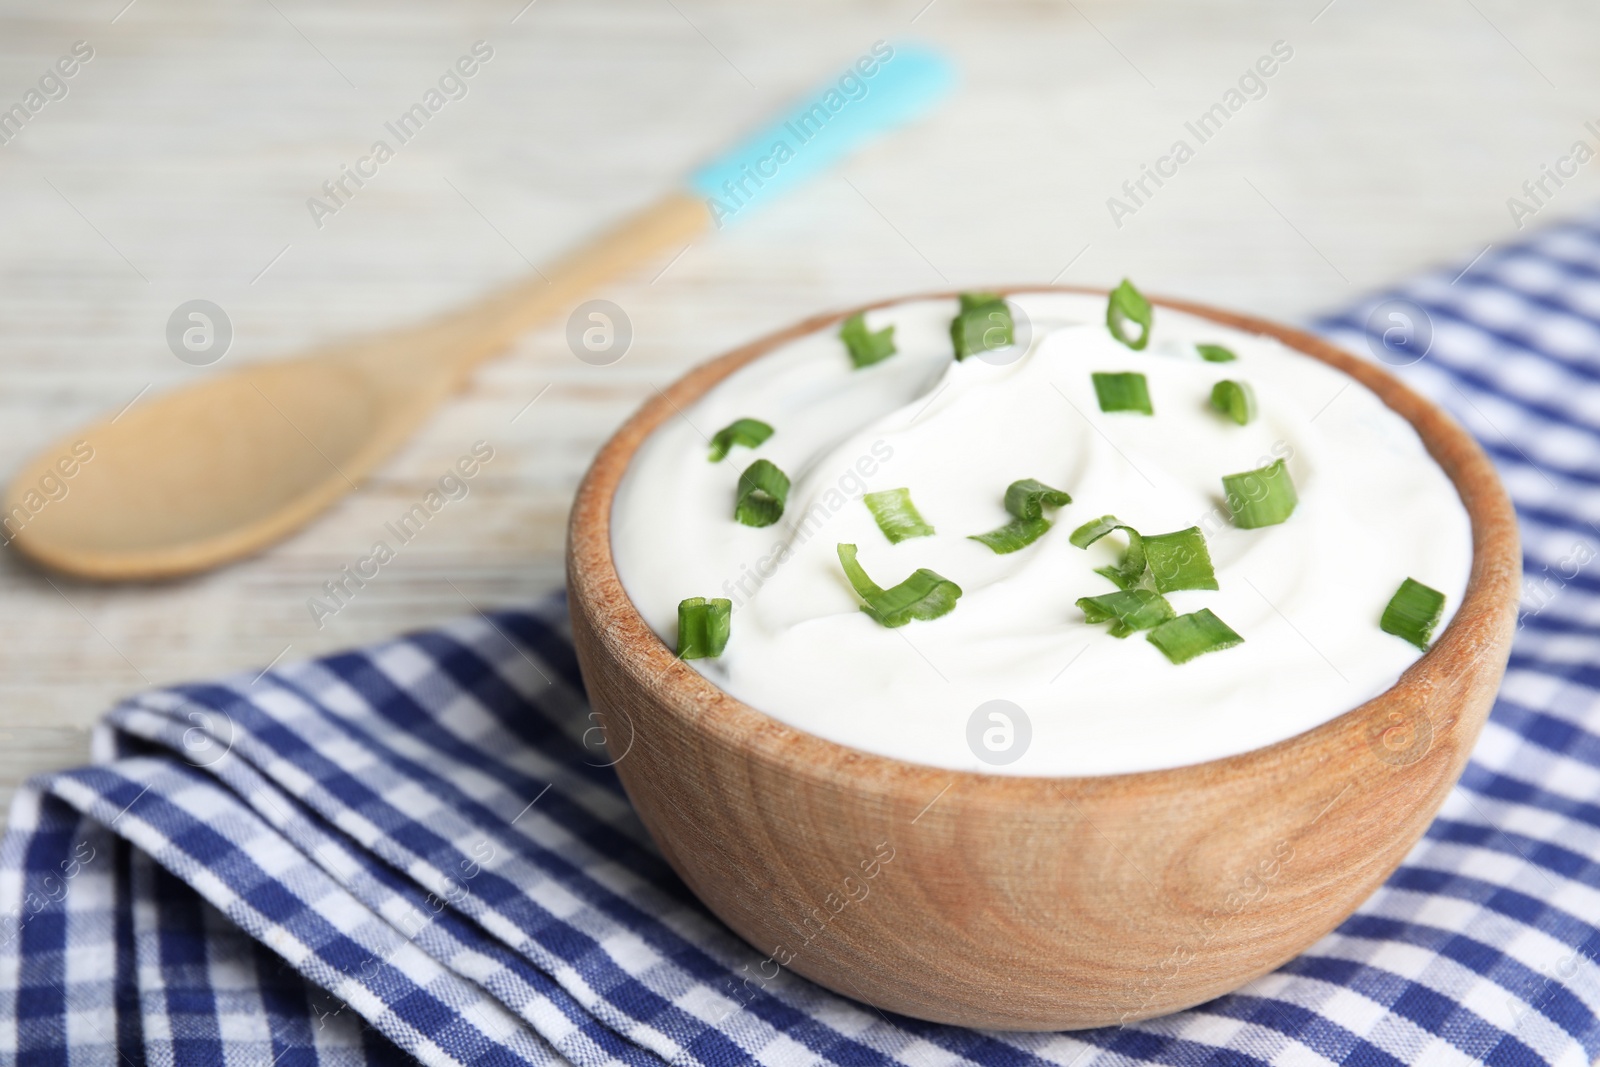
point(179, 164)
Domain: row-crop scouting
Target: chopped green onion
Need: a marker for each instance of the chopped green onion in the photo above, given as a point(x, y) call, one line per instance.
point(1263, 497)
point(763, 490)
point(1216, 354)
point(1176, 561)
point(1179, 560)
point(1092, 531)
point(864, 586)
point(748, 432)
point(866, 347)
point(1413, 612)
point(1026, 500)
point(1235, 400)
point(1187, 636)
point(982, 325)
point(1122, 392)
point(703, 627)
point(1131, 571)
point(1127, 305)
point(896, 515)
point(924, 595)
point(1127, 610)
point(1014, 535)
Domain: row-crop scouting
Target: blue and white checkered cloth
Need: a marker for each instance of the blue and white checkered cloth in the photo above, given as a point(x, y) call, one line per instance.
point(418, 851)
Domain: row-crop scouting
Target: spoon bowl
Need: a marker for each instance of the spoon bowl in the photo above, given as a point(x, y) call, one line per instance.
point(200, 475)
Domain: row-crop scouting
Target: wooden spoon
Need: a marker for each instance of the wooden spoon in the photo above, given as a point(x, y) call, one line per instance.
point(220, 469)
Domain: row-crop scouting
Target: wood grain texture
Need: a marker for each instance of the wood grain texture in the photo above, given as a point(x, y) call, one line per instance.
point(1037, 903)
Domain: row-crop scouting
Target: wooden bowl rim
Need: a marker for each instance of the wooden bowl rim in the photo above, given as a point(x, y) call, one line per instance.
point(595, 587)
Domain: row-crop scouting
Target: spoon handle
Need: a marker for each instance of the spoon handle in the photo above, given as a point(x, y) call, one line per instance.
point(459, 340)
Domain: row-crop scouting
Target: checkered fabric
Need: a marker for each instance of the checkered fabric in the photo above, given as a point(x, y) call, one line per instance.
point(417, 851)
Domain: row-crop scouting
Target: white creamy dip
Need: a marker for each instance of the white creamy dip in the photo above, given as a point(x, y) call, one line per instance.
point(1306, 595)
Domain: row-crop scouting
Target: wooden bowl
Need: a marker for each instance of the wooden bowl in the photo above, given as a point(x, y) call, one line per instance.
point(1034, 903)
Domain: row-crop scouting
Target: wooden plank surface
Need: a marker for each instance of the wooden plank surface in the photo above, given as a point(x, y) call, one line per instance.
point(179, 163)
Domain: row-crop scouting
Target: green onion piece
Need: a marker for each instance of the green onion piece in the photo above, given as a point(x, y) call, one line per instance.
point(1016, 534)
point(703, 627)
point(1122, 392)
point(982, 325)
point(924, 595)
point(1026, 500)
point(1187, 636)
point(1127, 610)
point(1216, 354)
point(864, 586)
point(748, 432)
point(763, 490)
point(896, 515)
point(1092, 531)
point(1131, 571)
point(1413, 612)
point(866, 347)
point(1263, 497)
point(1127, 305)
point(1179, 560)
point(1235, 400)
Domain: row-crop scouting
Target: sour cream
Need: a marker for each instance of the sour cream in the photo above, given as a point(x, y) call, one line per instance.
point(1306, 595)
